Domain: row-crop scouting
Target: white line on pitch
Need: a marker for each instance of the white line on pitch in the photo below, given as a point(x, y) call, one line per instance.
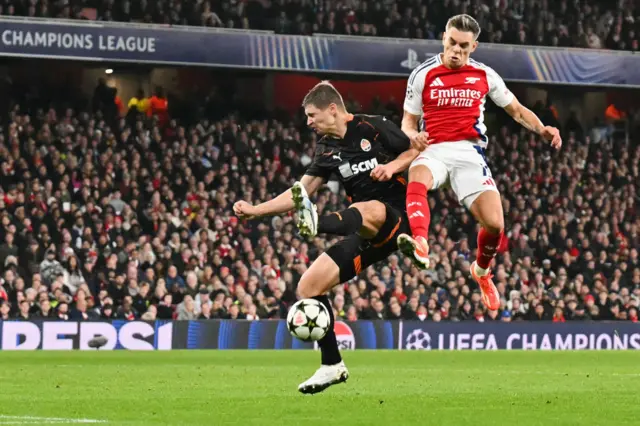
point(14, 420)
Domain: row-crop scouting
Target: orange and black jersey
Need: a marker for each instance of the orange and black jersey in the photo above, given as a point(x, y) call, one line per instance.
point(369, 141)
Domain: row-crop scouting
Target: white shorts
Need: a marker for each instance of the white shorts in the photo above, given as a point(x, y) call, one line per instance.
point(461, 164)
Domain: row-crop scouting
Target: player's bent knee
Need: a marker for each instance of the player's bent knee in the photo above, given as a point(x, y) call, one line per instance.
point(320, 278)
point(373, 215)
point(305, 290)
point(494, 223)
point(486, 207)
point(308, 288)
point(421, 173)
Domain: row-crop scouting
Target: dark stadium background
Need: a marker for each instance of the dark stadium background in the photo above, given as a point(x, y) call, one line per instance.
point(227, 134)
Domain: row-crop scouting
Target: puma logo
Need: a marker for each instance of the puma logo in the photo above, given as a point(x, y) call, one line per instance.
point(333, 155)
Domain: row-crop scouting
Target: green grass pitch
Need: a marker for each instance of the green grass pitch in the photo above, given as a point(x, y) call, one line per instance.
point(260, 388)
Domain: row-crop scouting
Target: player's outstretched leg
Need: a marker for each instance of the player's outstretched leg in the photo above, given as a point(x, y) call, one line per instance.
point(323, 274)
point(487, 210)
point(343, 261)
point(364, 218)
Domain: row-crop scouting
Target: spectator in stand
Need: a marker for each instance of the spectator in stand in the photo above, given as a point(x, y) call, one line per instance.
point(5, 310)
point(138, 104)
point(159, 106)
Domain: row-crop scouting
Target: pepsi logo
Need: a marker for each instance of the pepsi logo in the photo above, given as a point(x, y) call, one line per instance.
point(344, 335)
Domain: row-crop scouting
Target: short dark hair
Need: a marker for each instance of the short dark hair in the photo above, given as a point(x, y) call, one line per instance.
point(465, 23)
point(322, 95)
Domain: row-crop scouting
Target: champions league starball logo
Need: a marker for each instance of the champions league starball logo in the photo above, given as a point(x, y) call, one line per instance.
point(418, 340)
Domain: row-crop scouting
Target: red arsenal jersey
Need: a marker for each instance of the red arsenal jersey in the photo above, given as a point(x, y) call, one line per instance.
point(451, 101)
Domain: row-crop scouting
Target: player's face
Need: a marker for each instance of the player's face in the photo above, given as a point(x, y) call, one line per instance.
point(458, 45)
point(321, 120)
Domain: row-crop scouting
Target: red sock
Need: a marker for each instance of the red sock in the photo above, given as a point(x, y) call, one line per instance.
point(418, 209)
point(487, 247)
point(503, 247)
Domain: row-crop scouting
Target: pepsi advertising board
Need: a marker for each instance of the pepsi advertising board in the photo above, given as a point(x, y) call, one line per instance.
point(405, 335)
point(67, 335)
point(229, 334)
point(367, 334)
point(166, 335)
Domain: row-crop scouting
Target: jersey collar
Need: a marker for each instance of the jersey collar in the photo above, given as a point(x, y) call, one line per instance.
point(350, 122)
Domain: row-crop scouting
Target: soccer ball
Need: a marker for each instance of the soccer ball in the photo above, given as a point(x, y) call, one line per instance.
point(308, 320)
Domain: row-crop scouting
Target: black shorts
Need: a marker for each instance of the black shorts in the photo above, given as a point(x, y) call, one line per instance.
point(355, 253)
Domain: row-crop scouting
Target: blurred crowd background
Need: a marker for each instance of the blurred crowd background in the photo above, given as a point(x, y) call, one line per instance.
point(122, 208)
point(597, 24)
point(119, 210)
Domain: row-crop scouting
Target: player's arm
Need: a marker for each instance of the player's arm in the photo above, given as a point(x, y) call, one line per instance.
point(530, 121)
point(397, 142)
point(410, 124)
point(413, 112)
point(400, 164)
point(502, 96)
point(283, 203)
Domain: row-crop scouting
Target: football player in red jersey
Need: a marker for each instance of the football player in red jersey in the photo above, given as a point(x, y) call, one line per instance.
point(448, 92)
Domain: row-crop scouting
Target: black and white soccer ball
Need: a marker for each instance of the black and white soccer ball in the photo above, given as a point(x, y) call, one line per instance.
point(308, 320)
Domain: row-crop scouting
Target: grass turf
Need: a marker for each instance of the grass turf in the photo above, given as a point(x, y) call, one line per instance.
point(260, 388)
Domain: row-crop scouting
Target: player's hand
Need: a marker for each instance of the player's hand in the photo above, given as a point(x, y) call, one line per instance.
point(244, 210)
point(420, 141)
point(552, 135)
point(382, 173)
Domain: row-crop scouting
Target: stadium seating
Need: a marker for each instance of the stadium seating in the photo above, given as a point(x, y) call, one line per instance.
point(131, 218)
point(595, 24)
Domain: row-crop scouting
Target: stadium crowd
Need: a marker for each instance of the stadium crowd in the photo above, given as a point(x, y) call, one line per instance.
point(600, 24)
point(130, 217)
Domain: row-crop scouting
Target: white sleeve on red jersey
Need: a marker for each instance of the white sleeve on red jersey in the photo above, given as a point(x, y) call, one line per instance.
point(415, 86)
point(498, 91)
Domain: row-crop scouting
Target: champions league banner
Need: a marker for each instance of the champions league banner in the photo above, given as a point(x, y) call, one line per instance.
point(99, 41)
point(196, 46)
point(228, 334)
point(519, 336)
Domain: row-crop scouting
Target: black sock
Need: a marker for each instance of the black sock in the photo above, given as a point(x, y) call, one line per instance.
point(346, 222)
point(328, 344)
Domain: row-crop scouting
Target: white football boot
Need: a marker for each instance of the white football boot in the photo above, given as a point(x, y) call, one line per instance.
point(307, 211)
point(324, 377)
